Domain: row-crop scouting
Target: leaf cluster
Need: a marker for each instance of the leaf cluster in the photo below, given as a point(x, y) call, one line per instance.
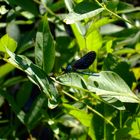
point(38, 38)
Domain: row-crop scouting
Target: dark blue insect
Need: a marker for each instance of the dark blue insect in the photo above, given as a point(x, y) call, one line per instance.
point(82, 63)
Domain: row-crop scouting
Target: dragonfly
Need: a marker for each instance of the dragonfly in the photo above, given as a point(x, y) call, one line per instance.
point(81, 64)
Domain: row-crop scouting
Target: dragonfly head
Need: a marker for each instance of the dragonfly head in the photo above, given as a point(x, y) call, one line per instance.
point(67, 69)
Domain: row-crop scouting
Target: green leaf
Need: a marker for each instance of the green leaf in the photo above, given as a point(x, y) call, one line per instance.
point(64, 56)
point(57, 6)
point(85, 6)
point(79, 32)
point(28, 5)
point(99, 23)
point(74, 17)
point(24, 93)
point(72, 80)
point(130, 40)
point(7, 42)
point(5, 69)
point(114, 102)
point(94, 40)
point(36, 112)
point(134, 124)
point(82, 116)
point(35, 74)
point(130, 129)
point(122, 68)
point(105, 30)
point(109, 84)
point(44, 49)
point(14, 80)
point(20, 114)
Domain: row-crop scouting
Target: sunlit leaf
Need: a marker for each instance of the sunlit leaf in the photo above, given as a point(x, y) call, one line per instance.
point(72, 80)
point(7, 42)
point(5, 69)
point(109, 84)
point(74, 17)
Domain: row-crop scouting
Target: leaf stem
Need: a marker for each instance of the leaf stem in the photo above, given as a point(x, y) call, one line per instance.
point(91, 109)
point(119, 17)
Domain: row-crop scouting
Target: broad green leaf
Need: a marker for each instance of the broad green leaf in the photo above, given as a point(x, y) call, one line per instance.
point(76, 128)
point(20, 114)
point(23, 93)
point(124, 7)
point(64, 57)
point(91, 132)
point(130, 129)
point(94, 40)
point(111, 63)
point(5, 69)
point(134, 125)
point(82, 116)
point(79, 32)
point(7, 42)
point(25, 42)
point(109, 84)
point(28, 5)
point(136, 72)
point(74, 17)
point(108, 46)
point(114, 102)
point(14, 80)
point(128, 51)
point(35, 74)
point(44, 49)
point(72, 80)
point(57, 6)
point(99, 23)
point(129, 41)
point(105, 30)
point(90, 41)
point(130, 10)
point(36, 113)
point(85, 7)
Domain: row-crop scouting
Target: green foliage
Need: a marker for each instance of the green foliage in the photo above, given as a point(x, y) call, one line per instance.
point(38, 38)
point(44, 49)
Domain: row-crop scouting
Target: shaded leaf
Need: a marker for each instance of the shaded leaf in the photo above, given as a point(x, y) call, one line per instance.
point(36, 112)
point(34, 73)
point(20, 114)
point(44, 49)
point(28, 5)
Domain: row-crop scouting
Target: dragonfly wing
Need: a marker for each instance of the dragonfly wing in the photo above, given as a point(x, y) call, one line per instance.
point(85, 61)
